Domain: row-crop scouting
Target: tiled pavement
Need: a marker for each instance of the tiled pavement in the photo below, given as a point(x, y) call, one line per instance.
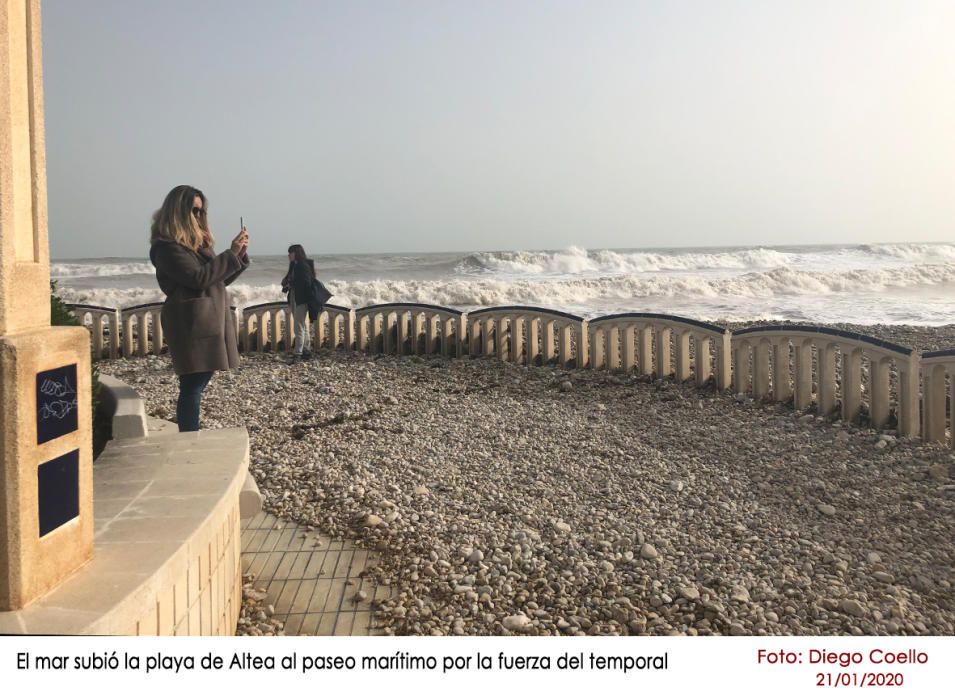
point(311, 580)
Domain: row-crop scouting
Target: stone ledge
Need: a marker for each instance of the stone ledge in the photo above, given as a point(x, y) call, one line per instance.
point(129, 414)
point(167, 547)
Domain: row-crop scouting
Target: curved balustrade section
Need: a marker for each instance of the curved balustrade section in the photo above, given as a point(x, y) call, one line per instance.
point(786, 362)
point(415, 329)
point(334, 328)
point(645, 341)
point(528, 335)
point(142, 330)
point(266, 327)
point(103, 325)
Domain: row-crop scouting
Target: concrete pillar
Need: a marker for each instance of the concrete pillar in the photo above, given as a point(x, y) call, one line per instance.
point(475, 338)
point(46, 460)
point(701, 353)
point(934, 396)
point(782, 388)
point(742, 370)
point(580, 328)
point(432, 329)
point(129, 347)
point(337, 330)
point(802, 367)
point(517, 339)
point(761, 370)
point(826, 381)
point(533, 340)
point(490, 336)
point(724, 361)
point(663, 352)
point(377, 327)
point(349, 338)
point(646, 350)
point(500, 338)
point(564, 345)
point(548, 341)
point(629, 349)
point(318, 331)
point(98, 321)
point(418, 328)
point(612, 348)
point(682, 371)
point(909, 418)
point(401, 324)
point(851, 378)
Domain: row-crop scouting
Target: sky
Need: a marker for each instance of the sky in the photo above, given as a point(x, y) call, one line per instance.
point(364, 127)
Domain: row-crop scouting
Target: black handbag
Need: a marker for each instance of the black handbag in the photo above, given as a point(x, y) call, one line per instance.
point(320, 292)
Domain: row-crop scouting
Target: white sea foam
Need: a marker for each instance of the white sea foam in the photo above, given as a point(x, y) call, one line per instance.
point(927, 252)
point(64, 270)
point(746, 290)
point(576, 260)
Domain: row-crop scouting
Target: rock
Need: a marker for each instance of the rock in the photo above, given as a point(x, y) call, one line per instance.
point(476, 556)
point(689, 592)
point(852, 607)
point(740, 594)
point(372, 520)
point(562, 528)
point(516, 623)
point(421, 491)
point(648, 551)
point(826, 509)
point(883, 576)
point(566, 386)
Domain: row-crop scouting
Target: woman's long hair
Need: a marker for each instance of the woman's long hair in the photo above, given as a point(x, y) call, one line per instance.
point(298, 251)
point(174, 220)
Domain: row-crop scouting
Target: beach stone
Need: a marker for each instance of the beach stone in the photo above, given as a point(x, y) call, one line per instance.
point(566, 385)
point(648, 551)
point(852, 607)
point(740, 594)
point(372, 520)
point(826, 509)
point(690, 593)
point(562, 528)
point(516, 623)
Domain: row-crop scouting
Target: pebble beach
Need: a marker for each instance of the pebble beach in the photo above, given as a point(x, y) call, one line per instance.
point(535, 500)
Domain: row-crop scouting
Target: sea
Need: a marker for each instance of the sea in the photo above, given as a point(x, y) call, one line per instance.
point(888, 283)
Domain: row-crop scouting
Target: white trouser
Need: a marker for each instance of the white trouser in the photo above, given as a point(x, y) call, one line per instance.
point(299, 314)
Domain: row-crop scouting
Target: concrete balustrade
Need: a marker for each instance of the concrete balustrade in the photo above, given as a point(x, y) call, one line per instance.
point(265, 326)
point(148, 337)
point(807, 365)
point(777, 362)
point(526, 334)
point(643, 341)
point(418, 329)
point(103, 325)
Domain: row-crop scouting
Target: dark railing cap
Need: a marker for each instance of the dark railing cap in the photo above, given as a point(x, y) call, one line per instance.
point(663, 317)
point(413, 305)
point(535, 309)
point(939, 353)
point(825, 330)
point(141, 306)
point(90, 307)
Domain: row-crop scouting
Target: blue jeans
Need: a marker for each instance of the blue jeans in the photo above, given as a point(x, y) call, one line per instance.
point(190, 394)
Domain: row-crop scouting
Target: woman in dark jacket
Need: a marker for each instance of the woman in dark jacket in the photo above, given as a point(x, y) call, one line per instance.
point(196, 317)
point(298, 284)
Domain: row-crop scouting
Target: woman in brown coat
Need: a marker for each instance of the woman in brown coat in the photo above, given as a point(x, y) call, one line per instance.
point(196, 317)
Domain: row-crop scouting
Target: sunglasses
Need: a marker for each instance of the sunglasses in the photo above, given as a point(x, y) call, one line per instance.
point(198, 211)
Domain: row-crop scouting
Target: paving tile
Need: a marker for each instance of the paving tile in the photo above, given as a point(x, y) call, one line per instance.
point(310, 578)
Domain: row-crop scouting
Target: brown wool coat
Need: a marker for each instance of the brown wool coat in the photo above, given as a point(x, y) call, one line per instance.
point(196, 318)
